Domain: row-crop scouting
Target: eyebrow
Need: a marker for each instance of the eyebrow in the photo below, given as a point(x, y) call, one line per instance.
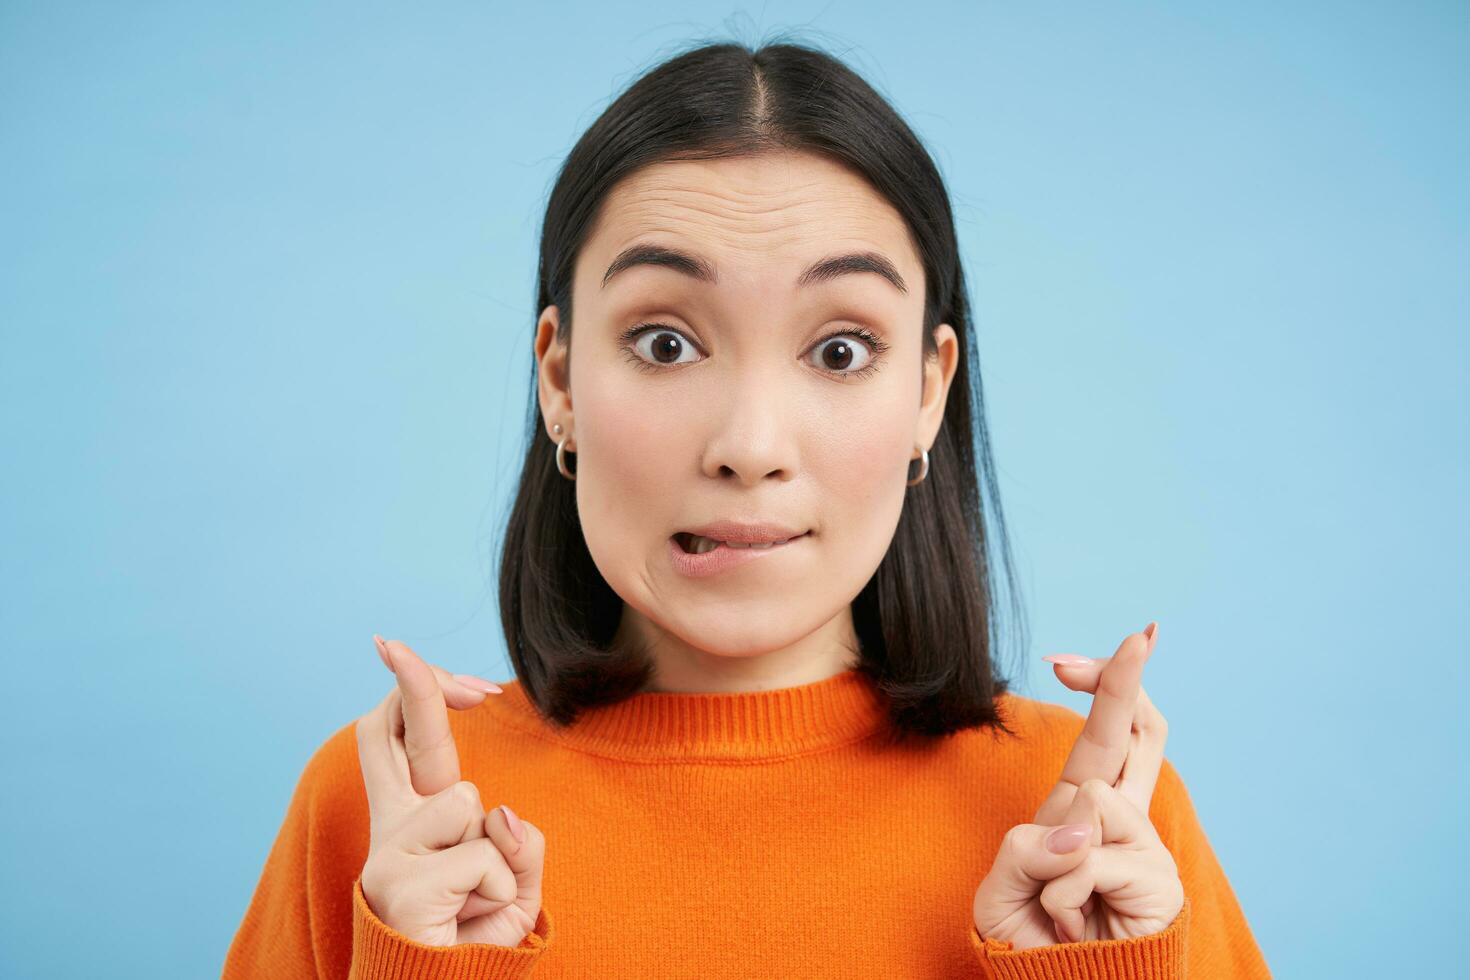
point(700, 269)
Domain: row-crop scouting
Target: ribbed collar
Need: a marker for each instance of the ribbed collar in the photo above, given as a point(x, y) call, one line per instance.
point(749, 725)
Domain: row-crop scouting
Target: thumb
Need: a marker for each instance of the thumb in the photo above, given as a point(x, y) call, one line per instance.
point(1029, 856)
point(525, 860)
point(523, 845)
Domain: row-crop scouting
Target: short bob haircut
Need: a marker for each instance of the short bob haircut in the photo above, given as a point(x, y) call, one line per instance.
point(927, 620)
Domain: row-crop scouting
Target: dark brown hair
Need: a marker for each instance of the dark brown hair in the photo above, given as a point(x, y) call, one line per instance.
point(927, 621)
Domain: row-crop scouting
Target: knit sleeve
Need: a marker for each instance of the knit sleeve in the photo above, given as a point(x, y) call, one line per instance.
point(1208, 939)
point(381, 953)
point(308, 918)
point(1160, 956)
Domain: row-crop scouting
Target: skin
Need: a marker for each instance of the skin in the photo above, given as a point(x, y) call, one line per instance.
point(751, 423)
point(746, 418)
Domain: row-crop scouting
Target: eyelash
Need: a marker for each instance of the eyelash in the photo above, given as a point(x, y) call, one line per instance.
point(877, 346)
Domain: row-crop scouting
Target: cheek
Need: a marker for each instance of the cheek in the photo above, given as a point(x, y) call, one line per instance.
point(860, 469)
point(632, 456)
point(861, 458)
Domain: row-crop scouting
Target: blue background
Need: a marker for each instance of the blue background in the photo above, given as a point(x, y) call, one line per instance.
point(266, 289)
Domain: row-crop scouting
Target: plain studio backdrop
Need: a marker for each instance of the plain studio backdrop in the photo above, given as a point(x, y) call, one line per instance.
point(266, 298)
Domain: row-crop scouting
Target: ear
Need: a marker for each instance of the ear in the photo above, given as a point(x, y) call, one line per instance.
point(939, 371)
point(553, 374)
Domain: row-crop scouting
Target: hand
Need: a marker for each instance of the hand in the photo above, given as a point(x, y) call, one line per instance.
point(1118, 881)
point(440, 870)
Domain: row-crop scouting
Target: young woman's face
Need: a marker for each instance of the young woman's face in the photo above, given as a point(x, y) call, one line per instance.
point(728, 389)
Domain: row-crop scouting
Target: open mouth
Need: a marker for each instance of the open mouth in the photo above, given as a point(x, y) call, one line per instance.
point(693, 544)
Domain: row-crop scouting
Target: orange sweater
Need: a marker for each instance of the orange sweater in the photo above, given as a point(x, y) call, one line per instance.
point(758, 834)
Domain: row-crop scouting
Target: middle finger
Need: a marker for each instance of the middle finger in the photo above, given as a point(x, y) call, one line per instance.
point(1102, 746)
point(457, 694)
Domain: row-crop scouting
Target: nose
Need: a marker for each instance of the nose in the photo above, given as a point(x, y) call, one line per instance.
point(754, 435)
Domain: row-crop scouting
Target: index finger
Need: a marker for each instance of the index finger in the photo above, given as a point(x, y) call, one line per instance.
point(380, 754)
point(433, 761)
point(1102, 746)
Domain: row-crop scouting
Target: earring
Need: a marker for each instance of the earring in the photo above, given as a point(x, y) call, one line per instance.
point(561, 454)
point(923, 470)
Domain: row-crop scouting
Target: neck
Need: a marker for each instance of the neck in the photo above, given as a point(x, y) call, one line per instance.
point(682, 667)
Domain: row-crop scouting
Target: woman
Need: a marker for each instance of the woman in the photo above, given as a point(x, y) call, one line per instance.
point(757, 725)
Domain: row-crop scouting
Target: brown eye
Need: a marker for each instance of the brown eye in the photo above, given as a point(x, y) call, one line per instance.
point(839, 353)
point(662, 345)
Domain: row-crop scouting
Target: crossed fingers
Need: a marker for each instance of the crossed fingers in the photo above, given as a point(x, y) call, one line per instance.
point(1122, 740)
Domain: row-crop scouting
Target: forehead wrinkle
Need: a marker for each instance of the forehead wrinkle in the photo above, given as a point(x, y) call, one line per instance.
point(725, 242)
point(754, 213)
point(733, 199)
point(768, 215)
point(699, 223)
point(767, 187)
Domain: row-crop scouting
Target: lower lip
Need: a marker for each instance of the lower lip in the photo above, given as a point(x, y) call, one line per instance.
point(722, 557)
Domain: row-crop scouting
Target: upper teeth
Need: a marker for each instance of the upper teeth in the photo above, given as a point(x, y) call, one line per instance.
point(700, 544)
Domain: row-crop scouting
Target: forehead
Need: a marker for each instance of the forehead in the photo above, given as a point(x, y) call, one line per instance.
point(749, 214)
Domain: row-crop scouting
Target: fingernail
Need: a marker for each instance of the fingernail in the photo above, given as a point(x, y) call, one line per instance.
point(1151, 629)
point(1066, 839)
point(1069, 659)
point(514, 823)
point(478, 683)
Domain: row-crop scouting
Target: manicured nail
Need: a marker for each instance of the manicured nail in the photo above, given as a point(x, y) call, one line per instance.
point(478, 683)
point(1065, 840)
point(514, 823)
point(1068, 659)
point(383, 653)
point(1150, 630)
